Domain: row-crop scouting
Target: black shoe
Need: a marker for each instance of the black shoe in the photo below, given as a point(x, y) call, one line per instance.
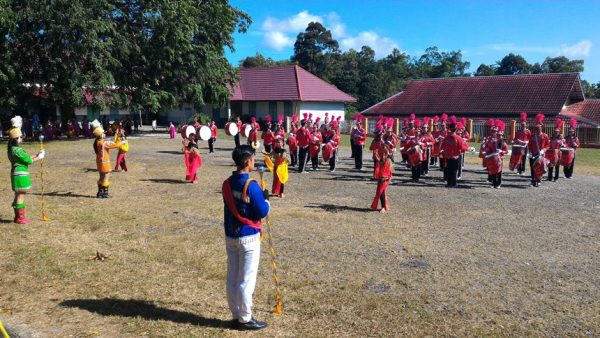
point(253, 324)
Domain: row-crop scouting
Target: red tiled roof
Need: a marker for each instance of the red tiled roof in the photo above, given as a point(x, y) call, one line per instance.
point(285, 83)
point(587, 111)
point(484, 95)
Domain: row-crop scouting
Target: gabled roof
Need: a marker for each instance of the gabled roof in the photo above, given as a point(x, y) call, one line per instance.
point(285, 83)
point(484, 95)
point(587, 111)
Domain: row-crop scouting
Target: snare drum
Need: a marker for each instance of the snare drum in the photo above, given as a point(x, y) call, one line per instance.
point(566, 156)
point(205, 133)
point(231, 128)
point(515, 158)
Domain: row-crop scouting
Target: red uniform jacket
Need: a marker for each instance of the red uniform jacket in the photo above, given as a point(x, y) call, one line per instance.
point(414, 149)
point(453, 146)
point(553, 152)
point(494, 162)
point(438, 137)
point(572, 142)
point(267, 137)
point(537, 143)
point(315, 143)
point(213, 131)
point(359, 136)
point(303, 137)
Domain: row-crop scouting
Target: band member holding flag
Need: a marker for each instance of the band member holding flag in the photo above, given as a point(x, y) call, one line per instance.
point(245, 207)
point(101, 148)
point(20, 161)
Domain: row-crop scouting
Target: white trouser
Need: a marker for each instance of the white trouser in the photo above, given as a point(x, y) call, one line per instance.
point(243, 255)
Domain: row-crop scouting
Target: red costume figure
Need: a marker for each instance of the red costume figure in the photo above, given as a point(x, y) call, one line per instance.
point(315, 146)
point(236, 138)
point(192, 158)
point(253, 134)
point(383, 175)
point(452, 147)
point(462, 132)
point(553, 153)
point(267, 135)
point(494, 150)
point(213, 136)
point(439, 136)
point(538, 144)
point(303, 139)
point(568, 154)
point(414, 150)
point(427, 142)
point(376, 148)
point(519, 144)
point(121, 139)
point(435, 148)
point(359, 137)
point(331, 141)
point(491, 132)
point(390, 137)
point(292, 142)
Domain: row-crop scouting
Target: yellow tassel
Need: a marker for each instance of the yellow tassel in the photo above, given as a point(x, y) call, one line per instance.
point(3, 331)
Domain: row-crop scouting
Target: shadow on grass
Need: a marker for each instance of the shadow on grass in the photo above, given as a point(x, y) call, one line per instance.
point(163, 180)
point(6, 221)
point(337, 208)
point(89, 170)
point(63, 194)
point(172, 152)
point(144, 309)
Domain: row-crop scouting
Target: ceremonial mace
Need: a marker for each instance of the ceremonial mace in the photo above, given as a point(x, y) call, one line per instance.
point(278, 310)
point(44, 217)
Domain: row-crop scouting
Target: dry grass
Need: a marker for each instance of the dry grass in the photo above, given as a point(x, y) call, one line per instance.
point(461, 262)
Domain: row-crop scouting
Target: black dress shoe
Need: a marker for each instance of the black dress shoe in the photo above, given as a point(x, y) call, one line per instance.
point(253, 324)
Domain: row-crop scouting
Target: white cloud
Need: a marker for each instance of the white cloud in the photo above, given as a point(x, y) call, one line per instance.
point(581, 48)
point(380, 44)
point(279, 34)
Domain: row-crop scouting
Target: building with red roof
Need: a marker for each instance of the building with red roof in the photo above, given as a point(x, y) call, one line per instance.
point(285, 90)
point(486, 97)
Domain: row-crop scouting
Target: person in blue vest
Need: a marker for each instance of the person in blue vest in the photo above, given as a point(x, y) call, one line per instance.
point(246, 204)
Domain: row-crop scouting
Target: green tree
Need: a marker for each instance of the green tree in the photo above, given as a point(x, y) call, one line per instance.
point(316, 51)
point(485, 70)
point(591, 91)
point(434, 64)
point(260, 61)
point(513, 65)
point(562, 64)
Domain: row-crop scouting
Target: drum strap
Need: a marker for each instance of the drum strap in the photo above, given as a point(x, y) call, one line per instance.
point(230, 203)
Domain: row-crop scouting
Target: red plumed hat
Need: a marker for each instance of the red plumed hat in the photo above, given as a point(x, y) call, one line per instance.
point(491, 122)
point(559, 123)
point(418, 123)
point(436, 119)
point(463, 121)
point(412, 117)
point(358, 117)
point(405, 122)
point(539, 119)
point(310, 116)
point(305, 115)
point(268, 118)
point(390, 123)
point(459, 125)
point(452, 119)
point(380, 118)
point(573, 123)
point(326, 114)
point(500, 125)
point(253, 119)
point(317, 120)
point(426, 120)
point(524, 116)
point(333, 123)
point(444, 117)
point(294, 118)
point(279, 118)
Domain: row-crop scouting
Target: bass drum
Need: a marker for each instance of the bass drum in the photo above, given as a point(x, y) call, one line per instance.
point(204, 133)
point(231, 128)
point(182, 131)
point(188, 131)
point(566, 156)
point(515, 158)
point(327, 151)
point(246, 130)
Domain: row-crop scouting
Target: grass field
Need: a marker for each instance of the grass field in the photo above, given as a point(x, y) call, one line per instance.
point(473, 261)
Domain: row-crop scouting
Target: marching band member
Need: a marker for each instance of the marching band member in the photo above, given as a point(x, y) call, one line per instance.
point(553, 153)
point(494, 150)
point(462, 132)
point(435, 148)
point(439, 136)
point(376, 148)
point(414, 151)
point(101, 147)
point(383, 174)
point(121, 139)
point(236, 138)
point(292, 142)
point(279, 129)
point(451, 149)
point(253, 134)
point(331, 141)
point(537, 146)
point(267, 135)
point(192, 158)
point(360, 136)
point(303, 139)
point(490, 132)
point(427, 142)
point(572, 142)
point(213, 136)
point(390, 137)
point(315, 145)
point(522, 139)
point(20, 161)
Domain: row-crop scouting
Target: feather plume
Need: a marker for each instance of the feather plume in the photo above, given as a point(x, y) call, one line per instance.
point(573, 123)
point(317, 120)
point(390, 123)
point(436, 119)
point(453, 119)
point(326, 114)
point(426, 120)
point(558, 123)
point(491, 122)
point(268, 118)
point(294, 118)
point(523, 116)
point(405, 122)
point(463, 120)
point(310, 116)
point(305, 115)
point(17, 122)
point(444, 117)
point(279, 118)
point(459, 125)
point(412, 116)
point(499, 124)
point(253, 119)
point(418, 123)
point(539, 118)
point(380, 118)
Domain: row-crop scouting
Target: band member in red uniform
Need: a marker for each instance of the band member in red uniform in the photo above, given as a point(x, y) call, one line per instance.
point(553, 153)
point(414, 151)
point(253, 135)
point(383, 174)
point(494, 150)
point(359, 135)
point(315, 145)
point(303, 139)
point(267, 135)
point(572, 142)
point(427, 142)
point(461, 131)
point(538, 144)
point(490, 132)
point(213, 136)
point(521, 140)
point(331, 141)
point(376, 148)
point(236, 138)
point(292, 142)
point(435, 149)
point(390, 137)
point(451, 149)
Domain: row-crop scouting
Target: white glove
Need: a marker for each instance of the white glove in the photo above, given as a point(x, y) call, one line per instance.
point(41, 154)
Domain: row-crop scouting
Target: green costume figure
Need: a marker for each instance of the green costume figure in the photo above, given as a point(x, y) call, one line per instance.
point(20, 161)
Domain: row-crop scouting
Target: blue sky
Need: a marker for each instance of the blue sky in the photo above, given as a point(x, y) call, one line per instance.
point(485, 31)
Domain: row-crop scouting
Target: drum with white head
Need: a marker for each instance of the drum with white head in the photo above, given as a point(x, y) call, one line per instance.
point(231, 128)
point(204, 133)
point(188, 130)
point(246, 128)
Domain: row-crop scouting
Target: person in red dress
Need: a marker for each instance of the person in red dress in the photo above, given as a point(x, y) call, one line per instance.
point(537, 146)
point(331, 141)
point(572, 142)
point(461, 131)
point(383, 175)
point(439, 136)
point(390, 137)
point(553, 153)
point(267, 135)
point(494, 150)
point(451, 149)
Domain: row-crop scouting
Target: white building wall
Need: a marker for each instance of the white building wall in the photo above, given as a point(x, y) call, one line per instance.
point(318, 109)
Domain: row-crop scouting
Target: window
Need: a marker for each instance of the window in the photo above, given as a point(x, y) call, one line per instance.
point(252, 108)
point(273, 109)
point(287, 109)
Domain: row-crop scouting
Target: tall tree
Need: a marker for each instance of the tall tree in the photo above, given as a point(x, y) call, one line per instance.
point(434, 64)
point(315, 49)
point(260, 61)
point(485, 70)
point(562, 64)
point(513, 65)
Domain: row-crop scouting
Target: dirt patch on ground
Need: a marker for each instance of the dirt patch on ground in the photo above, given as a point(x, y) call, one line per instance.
point(470, 262)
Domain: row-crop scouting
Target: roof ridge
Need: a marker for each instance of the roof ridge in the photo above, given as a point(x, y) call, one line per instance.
point(378, 103)
point(325, 82)
point(298, 81)
point(267, 67)
point(494, 76)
